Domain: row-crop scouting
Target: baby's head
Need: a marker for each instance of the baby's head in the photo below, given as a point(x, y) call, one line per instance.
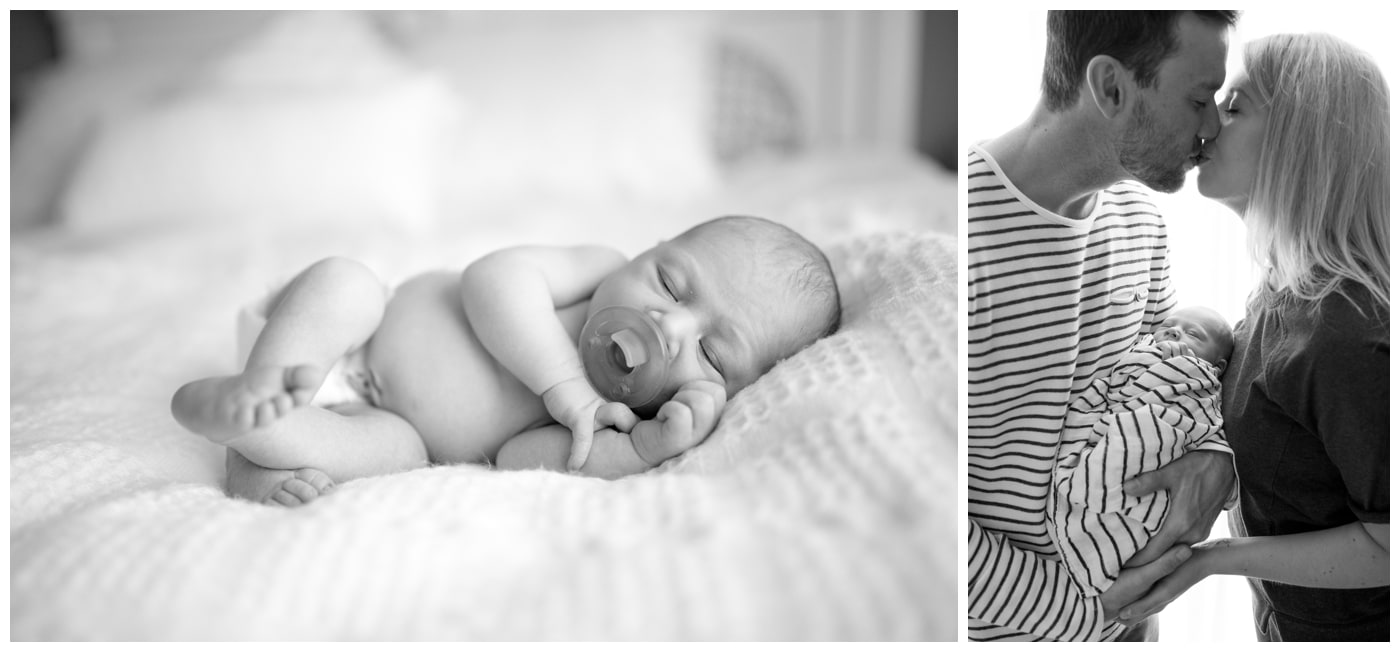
point(731, 297)
point(1203, 331)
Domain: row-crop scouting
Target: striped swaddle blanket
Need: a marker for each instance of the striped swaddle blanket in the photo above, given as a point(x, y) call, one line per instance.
point(1148, 411)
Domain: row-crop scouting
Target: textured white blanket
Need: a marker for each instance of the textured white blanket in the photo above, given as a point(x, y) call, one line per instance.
point(823, 507)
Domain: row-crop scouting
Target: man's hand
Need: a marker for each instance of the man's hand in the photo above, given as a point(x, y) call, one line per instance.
point(1199, 483)
point(577, 406)
point(681, 423)
point(1133, 583)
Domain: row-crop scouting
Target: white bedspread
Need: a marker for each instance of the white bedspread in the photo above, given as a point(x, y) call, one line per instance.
point(823, 507)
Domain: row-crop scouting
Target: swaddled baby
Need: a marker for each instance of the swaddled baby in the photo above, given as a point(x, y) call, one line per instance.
point(1159, 401)
point(485, 365)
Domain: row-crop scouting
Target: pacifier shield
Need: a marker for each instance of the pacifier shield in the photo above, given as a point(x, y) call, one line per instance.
point(624, 356)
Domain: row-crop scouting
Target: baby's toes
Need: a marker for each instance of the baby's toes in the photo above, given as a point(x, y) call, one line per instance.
point(282, 404)
point(302, 396)
point(302, 379)
point(242, 414)
point(316, 478)
point(265, 414)
point(297, 491)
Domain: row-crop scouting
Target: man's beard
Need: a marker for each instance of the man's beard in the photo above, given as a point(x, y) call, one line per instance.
point(1149, 154)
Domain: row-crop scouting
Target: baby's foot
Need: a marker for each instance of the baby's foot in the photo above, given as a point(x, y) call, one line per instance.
point(277, 486)
point(225, 407)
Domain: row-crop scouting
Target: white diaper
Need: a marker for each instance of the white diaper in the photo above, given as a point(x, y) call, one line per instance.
point(348, 380)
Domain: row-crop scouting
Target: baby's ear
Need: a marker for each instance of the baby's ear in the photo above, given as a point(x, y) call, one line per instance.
point(1220, 367)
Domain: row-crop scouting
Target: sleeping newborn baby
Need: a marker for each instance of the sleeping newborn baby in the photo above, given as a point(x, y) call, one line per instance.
point(563, 358)
point(1159, 401)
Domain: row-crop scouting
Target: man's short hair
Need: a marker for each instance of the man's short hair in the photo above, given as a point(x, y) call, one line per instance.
point(1141, 40)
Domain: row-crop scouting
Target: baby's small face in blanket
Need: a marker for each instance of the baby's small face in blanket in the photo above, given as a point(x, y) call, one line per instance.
point(731, 297)
point(1201, 330)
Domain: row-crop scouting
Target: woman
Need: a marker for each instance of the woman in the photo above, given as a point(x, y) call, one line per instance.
point(1303, 156)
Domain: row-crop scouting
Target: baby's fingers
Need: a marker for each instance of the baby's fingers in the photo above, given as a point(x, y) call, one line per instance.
point(617, 416)
point(677, 427)
point(578, 451)
point(705, 402)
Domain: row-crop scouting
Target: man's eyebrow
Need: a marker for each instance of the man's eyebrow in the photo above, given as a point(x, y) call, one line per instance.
point(1208, 85)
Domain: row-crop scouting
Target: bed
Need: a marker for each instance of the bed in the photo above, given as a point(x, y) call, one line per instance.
point(154, 194)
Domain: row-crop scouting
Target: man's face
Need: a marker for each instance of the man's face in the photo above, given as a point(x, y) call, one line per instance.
point(1163, 138)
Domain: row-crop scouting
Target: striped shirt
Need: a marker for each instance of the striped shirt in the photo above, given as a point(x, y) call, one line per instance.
point(1053, 302)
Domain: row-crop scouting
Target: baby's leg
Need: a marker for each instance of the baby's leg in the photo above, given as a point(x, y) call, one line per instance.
point(346, 442)
point(330, 309)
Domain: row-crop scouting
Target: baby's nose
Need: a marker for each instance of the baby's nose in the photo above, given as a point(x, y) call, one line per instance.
point(677, 325)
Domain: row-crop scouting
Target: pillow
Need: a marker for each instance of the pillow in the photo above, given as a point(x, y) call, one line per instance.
point(586, 104)
point(313, 119)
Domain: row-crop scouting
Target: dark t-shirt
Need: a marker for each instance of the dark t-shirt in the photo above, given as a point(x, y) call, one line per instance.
point(1307, 412)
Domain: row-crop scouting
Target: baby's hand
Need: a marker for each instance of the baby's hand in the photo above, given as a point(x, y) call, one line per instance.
point(1173, 348)
point(681, 423)
point(577, 406)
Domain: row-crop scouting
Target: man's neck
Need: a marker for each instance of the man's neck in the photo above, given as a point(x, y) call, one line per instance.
point(1057, 161)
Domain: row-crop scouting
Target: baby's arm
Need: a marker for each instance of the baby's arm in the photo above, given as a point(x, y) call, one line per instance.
point(510, 298)
point(681, 424)
point(612, 455)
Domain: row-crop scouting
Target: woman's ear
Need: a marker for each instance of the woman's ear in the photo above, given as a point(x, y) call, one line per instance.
point(1108, 83)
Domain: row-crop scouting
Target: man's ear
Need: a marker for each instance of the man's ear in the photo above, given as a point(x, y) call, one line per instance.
point(1109, 85)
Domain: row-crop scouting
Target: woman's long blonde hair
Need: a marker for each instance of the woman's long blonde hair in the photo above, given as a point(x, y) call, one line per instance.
point(1319, 212)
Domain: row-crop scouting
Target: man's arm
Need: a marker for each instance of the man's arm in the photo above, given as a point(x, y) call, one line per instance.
point(1053, 609)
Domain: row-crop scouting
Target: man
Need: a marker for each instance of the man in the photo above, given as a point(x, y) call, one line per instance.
point(1067, 266)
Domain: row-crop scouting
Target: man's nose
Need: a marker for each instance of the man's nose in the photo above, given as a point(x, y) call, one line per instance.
point(1210, 127)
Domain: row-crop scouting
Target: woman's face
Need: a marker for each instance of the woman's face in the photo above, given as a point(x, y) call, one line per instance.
point(1230, 161)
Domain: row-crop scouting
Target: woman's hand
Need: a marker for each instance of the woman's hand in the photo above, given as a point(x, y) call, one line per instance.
point(1169, 588)
point(1133, 583)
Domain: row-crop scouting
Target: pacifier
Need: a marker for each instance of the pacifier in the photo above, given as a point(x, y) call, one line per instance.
point(625, 356)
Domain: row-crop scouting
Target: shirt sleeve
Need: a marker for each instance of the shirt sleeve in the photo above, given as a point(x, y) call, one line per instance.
point(1027, 592)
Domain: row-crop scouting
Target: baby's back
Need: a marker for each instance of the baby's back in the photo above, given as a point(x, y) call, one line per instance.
point(432, 371)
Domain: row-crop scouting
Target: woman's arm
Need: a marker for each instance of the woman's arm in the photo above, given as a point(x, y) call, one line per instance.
point(1352, 556)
